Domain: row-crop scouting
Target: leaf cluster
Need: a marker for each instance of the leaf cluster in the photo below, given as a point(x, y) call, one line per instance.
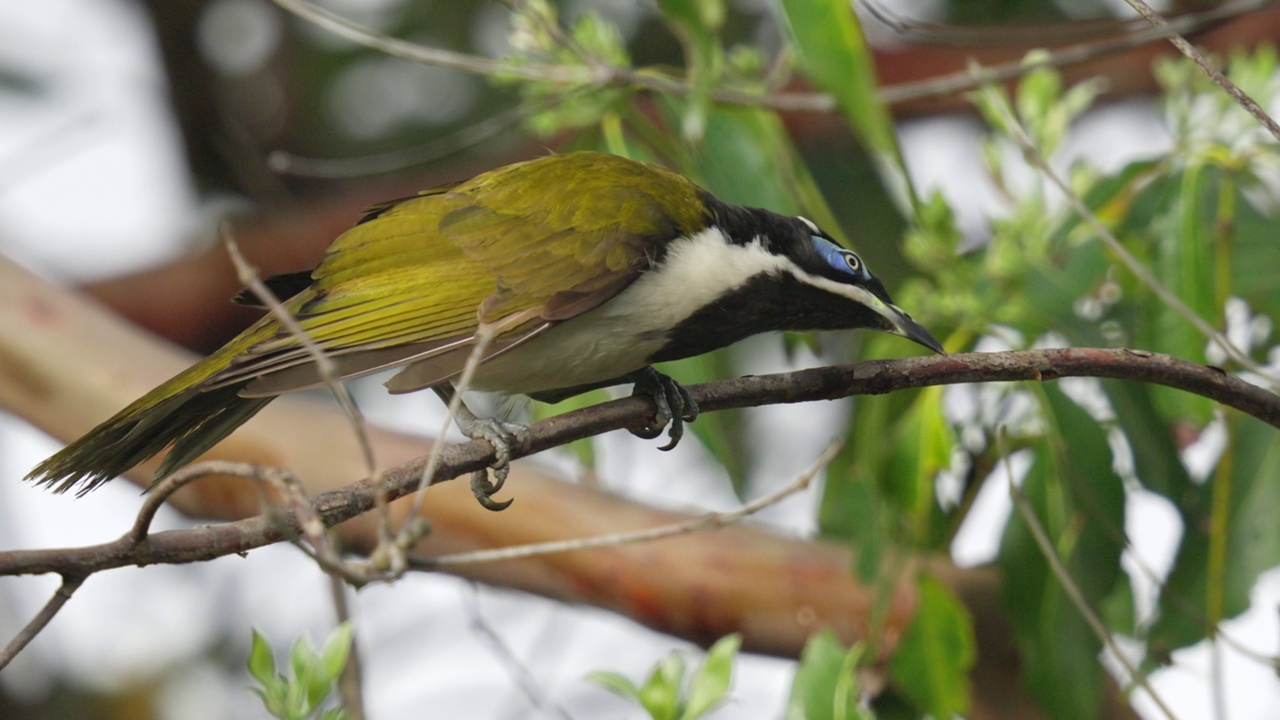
point(311, 677)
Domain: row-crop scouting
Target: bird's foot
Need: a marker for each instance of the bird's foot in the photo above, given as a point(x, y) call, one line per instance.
point(673, 406)
point(502, 436)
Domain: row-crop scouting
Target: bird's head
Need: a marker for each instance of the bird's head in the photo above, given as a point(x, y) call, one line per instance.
point(824, 285)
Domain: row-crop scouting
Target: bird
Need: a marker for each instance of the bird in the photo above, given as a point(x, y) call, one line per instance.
point(573, 272)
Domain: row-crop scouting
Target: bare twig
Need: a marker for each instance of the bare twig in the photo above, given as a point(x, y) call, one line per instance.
point(709, 521)
point(484, 335)
point(289, 164)
point(1184, 47)
point(518, 671)
point(597, 73)
point(1059, 57)
point(160, 491)
point(248, 277)
point(350, 682)
point(1035, 34)
point(475, 64)
point(70, 583)
point(1069, 586)
point(827, 383)
point(288, 485)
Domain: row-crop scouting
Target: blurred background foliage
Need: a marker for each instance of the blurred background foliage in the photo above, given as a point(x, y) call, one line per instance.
point(266, 101)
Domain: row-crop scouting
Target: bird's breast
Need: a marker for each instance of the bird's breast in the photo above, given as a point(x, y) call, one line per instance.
point(628, 331)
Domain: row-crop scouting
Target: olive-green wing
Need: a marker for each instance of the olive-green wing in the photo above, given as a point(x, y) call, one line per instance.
point(520, 249)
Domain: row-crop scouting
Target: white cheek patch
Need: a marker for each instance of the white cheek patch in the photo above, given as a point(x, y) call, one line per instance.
point(695, 272)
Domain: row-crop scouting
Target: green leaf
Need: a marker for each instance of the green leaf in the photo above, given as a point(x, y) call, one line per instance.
point(1255, 255)
point(711, 683)
point(697, 23)
point(880, 490)
point(262, 662)
point(1045, 109)
point(1079, 501)
point(931, 663)
point(332, 659)
point(616, 683)
point(921, 442)
point(276, 700)
point(556, 106)
point(660, 694)
point(834, 54)
point(1185, 265)
point(745, 159)
point(303, 660)
point(825, 686)
point(1155, 453)
point(1193, 595)
point(1119, 611)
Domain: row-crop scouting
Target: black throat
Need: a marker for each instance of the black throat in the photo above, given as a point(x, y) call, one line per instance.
point(766, 303)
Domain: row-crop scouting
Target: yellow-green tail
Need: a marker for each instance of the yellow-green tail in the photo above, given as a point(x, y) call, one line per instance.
point(180, 413)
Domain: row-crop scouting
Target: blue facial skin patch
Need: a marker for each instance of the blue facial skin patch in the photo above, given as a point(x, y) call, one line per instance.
point(842, 260)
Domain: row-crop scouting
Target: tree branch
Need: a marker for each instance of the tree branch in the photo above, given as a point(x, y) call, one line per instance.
point(827, 383)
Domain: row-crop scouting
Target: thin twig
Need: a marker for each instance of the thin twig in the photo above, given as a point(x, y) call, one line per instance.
point(159, 492)
point(1058, 57)
point(328, 373)
point(825, 383)
point(329, 168)
point(350, 683)
point(1069, 586)
point(1020, 136)
point(1040, 34)
point(515, 668)
point(474, 64)
point(325, 368)
point(709, 521)
point(1184, 47)
point(298, 520)
point(70, 583)
point(484, 335)
point(318, 545)
point(598, 73)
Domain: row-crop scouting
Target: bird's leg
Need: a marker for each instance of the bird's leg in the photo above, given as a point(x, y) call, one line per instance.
point(501, 435)
point(673, 405)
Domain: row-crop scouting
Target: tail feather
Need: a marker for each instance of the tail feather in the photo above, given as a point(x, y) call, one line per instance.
point(192, 421)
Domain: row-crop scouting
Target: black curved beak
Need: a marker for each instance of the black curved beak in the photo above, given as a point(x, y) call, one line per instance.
point(912, 330)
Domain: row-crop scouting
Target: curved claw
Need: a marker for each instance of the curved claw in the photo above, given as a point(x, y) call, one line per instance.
point(502, 436)
point(484, 489)
point(673, 406)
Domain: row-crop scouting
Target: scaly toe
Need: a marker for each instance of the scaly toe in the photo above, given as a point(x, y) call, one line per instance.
point(502, 436)
point(673, 407)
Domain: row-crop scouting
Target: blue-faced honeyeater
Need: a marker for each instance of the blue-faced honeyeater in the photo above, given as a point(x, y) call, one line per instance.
point(584, 269)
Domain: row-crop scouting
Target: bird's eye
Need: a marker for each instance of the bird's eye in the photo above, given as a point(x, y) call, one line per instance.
point(840, 259)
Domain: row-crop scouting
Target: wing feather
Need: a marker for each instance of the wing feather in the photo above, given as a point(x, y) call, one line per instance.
point(414, 280)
